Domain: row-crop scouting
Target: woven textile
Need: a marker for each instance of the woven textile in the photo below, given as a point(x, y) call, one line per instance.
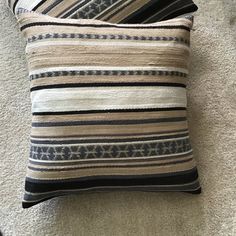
point(108, 105)
point(115, 11)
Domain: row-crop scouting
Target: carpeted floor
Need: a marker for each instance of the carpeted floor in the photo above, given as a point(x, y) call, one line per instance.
point(212, 114)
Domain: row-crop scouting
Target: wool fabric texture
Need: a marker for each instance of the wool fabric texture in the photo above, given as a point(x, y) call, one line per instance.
point(115, 11)
point(108, 105)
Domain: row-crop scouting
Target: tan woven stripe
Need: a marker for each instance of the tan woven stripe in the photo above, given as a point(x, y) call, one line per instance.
point(107, 129)
point(112, 171)
point(116, 7)
point(44, 6)
point(45, 57)
point(56, 11)
point(119, 16)
point(109, 116)
point(122, 162)
point(110, 136)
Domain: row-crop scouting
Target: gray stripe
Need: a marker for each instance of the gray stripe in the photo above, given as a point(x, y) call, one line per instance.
point(60, 163)
point(108, 73)
point(124, 150)
point(109, 37)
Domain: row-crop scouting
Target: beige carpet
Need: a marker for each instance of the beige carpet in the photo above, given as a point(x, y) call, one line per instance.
point(212, 113)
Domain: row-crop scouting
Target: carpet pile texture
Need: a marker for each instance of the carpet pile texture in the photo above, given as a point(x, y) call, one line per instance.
point(212, 115)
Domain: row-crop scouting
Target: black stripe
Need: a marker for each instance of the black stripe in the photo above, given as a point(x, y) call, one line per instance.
point(39, 4)
point(156, 7)
point(107, 122)
point(177, 13)
point(171, 10)
point(145, 11)
point(89, 85)
point(40, 186)
point(14, 6)
point(28, 197)
point(110, 140)
point(109, 111)
point(183, 27)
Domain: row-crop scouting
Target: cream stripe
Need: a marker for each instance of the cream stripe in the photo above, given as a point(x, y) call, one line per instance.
point(27, 4)
point(104, 43)
point(69, 99)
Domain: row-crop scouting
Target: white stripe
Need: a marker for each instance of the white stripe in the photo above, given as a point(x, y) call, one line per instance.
point(112, 68)
point(57, 42)
point(27, 4)
point(78, 99)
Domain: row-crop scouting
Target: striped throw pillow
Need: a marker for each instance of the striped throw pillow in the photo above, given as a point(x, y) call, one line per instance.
point(108, 106)
point(115, 11)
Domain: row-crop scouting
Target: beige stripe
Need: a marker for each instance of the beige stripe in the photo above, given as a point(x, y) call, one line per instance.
point(61, 7)
point(115, 6)
point(122, 9)
point(112, 137)
point(109, 116)
point(51, 56)
point(44, 6)
point(107, 129)
point(111, 171)
point(122, 163)
point(126, 11)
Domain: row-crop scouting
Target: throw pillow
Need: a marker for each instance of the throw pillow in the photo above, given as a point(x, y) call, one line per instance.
point(108, 107)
